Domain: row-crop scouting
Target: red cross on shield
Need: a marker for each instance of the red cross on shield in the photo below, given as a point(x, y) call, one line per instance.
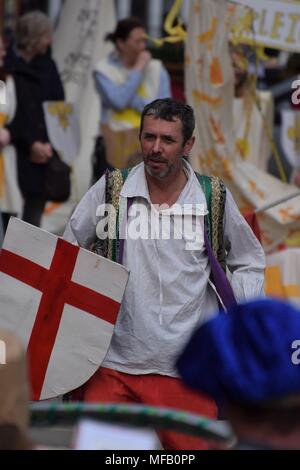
point(62, 301)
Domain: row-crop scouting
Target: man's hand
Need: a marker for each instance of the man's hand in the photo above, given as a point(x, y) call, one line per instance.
point(4, 138)
point(40, 153)
point(142, 60)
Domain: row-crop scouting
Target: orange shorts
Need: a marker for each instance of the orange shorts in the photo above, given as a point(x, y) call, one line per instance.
point(111, 386)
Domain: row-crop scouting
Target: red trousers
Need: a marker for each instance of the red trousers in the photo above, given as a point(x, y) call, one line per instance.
point(111, 386)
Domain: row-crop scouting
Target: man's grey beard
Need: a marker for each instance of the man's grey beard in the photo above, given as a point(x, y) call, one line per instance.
point(164, 173)
point(160, 175)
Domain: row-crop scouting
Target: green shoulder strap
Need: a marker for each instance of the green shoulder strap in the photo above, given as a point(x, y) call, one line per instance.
point(215, 194)
point(205, 182)
point(109, 247)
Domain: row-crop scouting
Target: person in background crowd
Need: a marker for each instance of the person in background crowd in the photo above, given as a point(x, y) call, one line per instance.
point(36, 80)
point(127, 80)
point(248, 361)
point(10, 197)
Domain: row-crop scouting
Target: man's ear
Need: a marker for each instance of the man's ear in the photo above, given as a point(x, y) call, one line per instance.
point(188, 145)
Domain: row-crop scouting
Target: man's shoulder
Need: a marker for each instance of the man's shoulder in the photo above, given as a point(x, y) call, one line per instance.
point(209, 179)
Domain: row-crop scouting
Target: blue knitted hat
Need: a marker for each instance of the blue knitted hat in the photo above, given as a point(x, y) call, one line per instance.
point(248, 355)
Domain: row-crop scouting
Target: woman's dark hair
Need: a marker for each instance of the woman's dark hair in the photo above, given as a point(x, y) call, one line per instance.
point(124, 28)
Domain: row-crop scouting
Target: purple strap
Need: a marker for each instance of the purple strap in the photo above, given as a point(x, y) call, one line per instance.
point(220, 280)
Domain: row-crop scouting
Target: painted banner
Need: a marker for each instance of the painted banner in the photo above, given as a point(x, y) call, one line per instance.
point(290, 136)
point(283, 275)
point(62, 301)
point(209, 82)
point(10, 195)
point(63, 127)
point(270, 23)
point(78, 46)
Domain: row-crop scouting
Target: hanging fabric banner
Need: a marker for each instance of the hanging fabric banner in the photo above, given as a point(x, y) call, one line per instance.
point(270, 23)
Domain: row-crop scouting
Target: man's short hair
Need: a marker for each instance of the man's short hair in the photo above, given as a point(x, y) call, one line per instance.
point(170, 110)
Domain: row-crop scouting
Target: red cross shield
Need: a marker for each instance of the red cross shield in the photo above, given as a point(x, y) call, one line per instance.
point(62, 301)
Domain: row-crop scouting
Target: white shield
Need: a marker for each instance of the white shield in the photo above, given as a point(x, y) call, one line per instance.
point(290, 136)
point(63, 127)
point(62, 301)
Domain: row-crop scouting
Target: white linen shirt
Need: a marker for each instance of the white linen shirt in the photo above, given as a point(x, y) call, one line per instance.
point(168, 293)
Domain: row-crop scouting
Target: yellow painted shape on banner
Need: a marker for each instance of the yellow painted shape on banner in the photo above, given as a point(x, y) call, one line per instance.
point(61, 110)
point(273, 282)
point(243, 25)
point(211, 100)
point(131, 116)
point(292, 290)
point(275, 287)
point(216, 74)
point(209, 35)
point(216, 131)
point(293, 239)
point(288, 215)
point(253, 187)
point(294, 134)
point(227, 168)
point(242, 147)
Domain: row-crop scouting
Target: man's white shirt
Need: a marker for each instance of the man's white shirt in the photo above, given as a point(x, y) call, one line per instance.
point(168, 293)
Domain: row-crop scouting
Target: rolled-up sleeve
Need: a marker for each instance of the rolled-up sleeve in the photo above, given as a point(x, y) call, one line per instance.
point(81, 228)
point(245, 257)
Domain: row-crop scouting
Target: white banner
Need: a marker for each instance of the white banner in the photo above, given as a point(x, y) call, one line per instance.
point(283, 274)
point(63, 127)
point(78, 47)
point(290, 136)
point(209, 89)
point(271, 23)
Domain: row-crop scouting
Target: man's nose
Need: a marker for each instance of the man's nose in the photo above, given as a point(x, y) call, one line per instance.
point(157, 146)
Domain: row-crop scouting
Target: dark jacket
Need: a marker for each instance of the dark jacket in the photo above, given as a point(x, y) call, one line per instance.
point(36, 81)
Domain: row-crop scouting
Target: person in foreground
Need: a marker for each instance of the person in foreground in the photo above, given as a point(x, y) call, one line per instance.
point(169, 292)
point(248, 361)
